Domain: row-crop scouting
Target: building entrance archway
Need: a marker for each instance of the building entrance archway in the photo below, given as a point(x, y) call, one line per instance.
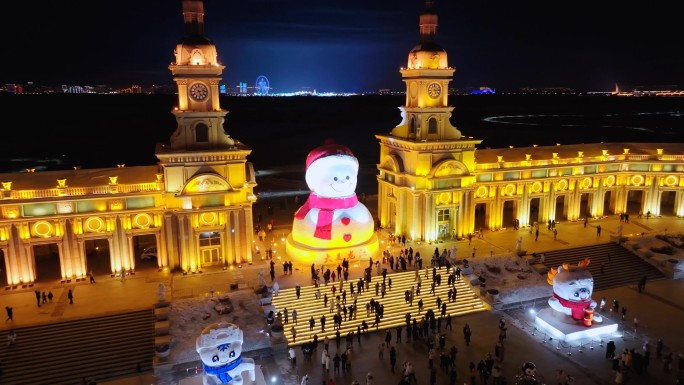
point(98, 260)
point(46, 263)
point(561, 208)
point(510, 209)
point(585, 205)
point(444, 217)
point(608, 202)
point(667, 202)
point(481, 216)
point(3, 270)
point(146, 252)
point(635, 201)
point(534, 211)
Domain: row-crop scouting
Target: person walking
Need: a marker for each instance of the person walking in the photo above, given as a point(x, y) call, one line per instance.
point(336, 363)
point(293, 331)
point(70, 296)
point(294, 316)
point(91, 276)
point(642, 284)
point(293, 357)
point(466, 334)
point(50, 296)
point(37, 293)
point(393, 358)
point(10, 313)
point(369, 378)
point(11, 338)
point(598, 230)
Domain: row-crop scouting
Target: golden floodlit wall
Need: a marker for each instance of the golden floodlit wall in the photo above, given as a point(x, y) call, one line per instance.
point(434, 183)
point(196, 203)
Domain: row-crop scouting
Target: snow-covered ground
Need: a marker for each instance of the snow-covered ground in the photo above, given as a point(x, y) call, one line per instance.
point(666, 251)
point(190, 315)
point(511, 275)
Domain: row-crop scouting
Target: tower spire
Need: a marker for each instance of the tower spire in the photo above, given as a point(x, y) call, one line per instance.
point(428, 23)
point(193, 16)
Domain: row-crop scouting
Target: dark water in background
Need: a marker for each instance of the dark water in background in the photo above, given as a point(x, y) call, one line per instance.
point(106, 130)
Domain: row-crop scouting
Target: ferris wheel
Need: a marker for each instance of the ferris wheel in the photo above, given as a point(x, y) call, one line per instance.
point(261, 86)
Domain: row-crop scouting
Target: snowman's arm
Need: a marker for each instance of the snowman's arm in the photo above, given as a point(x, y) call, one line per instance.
point(359, 214)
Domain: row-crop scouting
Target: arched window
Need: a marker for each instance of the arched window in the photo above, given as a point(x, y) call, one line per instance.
point(432, 126)
point(201, 133)
point(412, 125)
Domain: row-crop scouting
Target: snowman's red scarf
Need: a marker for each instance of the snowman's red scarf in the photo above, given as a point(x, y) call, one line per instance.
point(326, 208)
point(576, 307)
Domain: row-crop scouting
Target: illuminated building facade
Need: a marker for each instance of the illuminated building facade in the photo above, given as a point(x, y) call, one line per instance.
point(196, 203)
point(433, 182)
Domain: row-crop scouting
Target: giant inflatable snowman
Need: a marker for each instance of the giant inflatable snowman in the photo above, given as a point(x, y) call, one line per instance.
point(332, 224)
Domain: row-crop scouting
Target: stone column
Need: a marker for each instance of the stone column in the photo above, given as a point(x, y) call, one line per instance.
point(524, 204)
point(168, 243)
point(197, 251)
point(15, 256)
point(162, 258)
point(679, 203)
point(599, 197)
point(575, 199)
point(653, 193)
point(29, 268)
point(188, 262)
point(249, 232)
point(224, 249)
point(620, 197)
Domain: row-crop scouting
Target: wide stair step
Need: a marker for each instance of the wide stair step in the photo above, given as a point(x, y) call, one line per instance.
point(65, 352)
point(467, 301)
point(620, 266)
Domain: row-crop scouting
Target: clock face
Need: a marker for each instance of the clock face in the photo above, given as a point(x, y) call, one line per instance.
point(199, 91)
point(434, 90)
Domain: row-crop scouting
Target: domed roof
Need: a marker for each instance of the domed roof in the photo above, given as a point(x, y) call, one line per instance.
point(427, 55)
point(429, 46)
point(195, 40)
point(196, 50)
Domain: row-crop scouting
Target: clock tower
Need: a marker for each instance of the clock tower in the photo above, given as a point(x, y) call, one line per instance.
point(197, 73)
point(426, 165)
point(427, 76)
point(208, 182)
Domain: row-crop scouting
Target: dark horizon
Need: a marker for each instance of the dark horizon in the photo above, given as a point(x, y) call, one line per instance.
point(351, 45)
point(106, 124)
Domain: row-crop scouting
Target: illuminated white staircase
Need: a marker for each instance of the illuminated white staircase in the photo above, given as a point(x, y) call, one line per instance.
point(467, 301)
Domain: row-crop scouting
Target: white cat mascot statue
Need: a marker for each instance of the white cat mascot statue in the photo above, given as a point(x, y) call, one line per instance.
point(220, 348)
point(572, 289)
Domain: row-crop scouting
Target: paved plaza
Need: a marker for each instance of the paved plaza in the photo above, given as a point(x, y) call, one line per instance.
point(660, 310)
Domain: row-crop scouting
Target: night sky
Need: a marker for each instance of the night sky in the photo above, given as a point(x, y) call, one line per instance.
point(348, 45)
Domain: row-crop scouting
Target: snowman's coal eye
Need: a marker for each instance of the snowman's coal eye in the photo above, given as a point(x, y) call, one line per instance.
point(347, 177)
point(335, 179)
